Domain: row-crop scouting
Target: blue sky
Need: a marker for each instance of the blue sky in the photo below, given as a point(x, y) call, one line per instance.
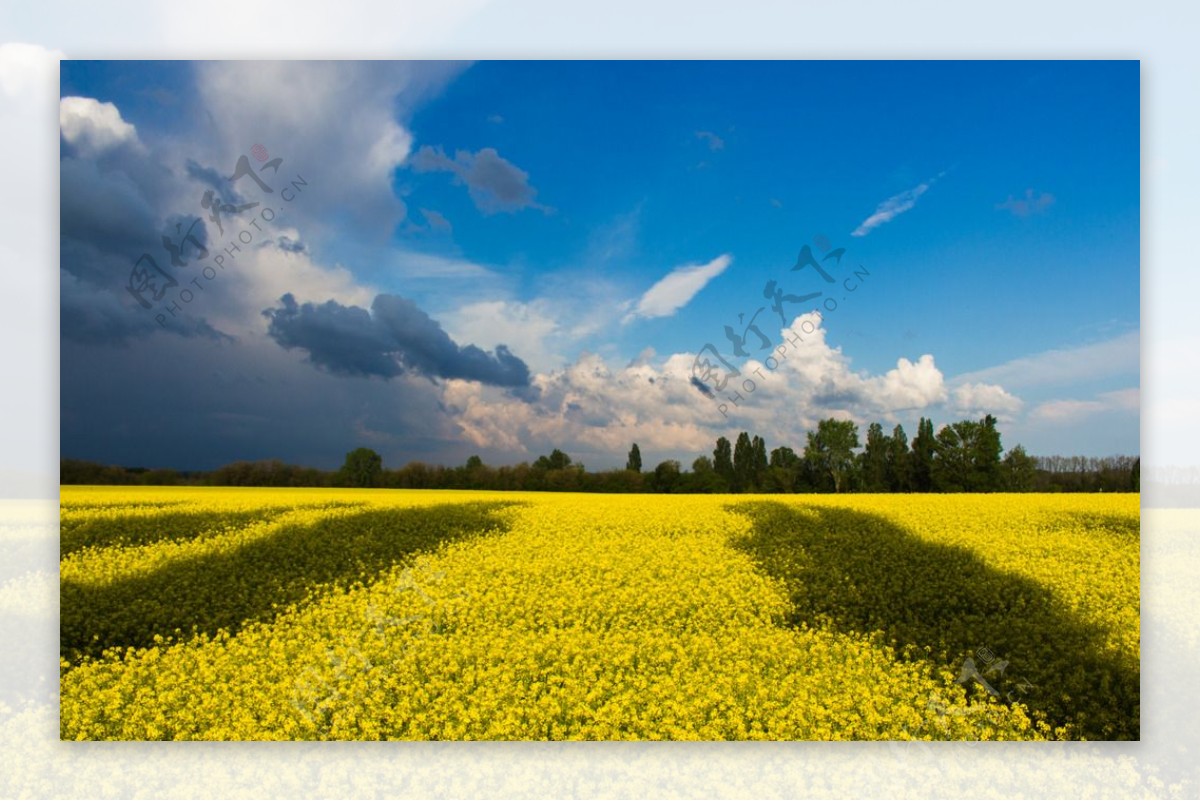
point(504, 257)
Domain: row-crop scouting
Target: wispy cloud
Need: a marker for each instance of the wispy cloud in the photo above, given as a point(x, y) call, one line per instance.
point(436, 220)
point(1070, 410)
point(894, 206)
point(414, 264)
point(673, 291)
point(713, 141)
point(1032, 203)
point(1111, 357)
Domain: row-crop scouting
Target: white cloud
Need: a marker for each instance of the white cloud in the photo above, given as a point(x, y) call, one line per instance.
point(910, 385)
point(530, 330)
point(976, 400)
point(572, 310)
point(414, 264)
point(893, 207)
point(93, 127)
point(1071, 410)
point(1113, 357)
point(679, 286)
point(595, 410)
point(233, 301)
point(334, 122)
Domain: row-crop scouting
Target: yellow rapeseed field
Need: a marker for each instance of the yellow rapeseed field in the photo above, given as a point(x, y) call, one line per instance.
point(268, 614)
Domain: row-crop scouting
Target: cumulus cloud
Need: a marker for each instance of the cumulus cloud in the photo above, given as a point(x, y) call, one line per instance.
point(677, 288)
point(494, 183)
point(595, 409)
point(120, 202)
point(92, 127)
point(713, 141)
point(114, 207)
point(393, 337)
point(976, 400)
point(1032, 203)
point(533, 329)
point(893, 207)
point(334, 122)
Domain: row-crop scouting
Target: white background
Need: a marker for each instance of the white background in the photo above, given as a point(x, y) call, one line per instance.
point(1163, 35)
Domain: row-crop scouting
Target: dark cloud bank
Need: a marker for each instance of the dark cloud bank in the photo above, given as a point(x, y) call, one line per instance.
point(394, 336)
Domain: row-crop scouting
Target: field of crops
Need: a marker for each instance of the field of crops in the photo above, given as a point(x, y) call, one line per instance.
point(237, 614)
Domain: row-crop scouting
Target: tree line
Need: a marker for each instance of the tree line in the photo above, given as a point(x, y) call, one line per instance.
point(965, 456)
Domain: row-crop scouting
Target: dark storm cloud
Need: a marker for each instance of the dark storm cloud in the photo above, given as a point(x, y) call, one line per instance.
point(112, 210)
point(97, 317)
point(394, 336)
point(494, 183)
point(105, 209)
point(183, 403)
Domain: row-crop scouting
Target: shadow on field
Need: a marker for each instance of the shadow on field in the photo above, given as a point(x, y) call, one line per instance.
point(105, 532)
point(861, 573)
point(228, 590)
point(1116, 525)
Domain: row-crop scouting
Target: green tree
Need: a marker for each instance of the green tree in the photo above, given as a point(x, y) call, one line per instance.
point(985, 456)
point(967, 457)
point(723, 462)
point(921, 462)
point(1018, 471)
point(704, 478)
point(634, 462)
point(362, 468)
point(784, 456)
point(874, 460)
point(782, 470)
point(899, 474)
point(557, 460)
point(743, 463)
point(666, 476)
point(758, 464)
point(951, 457)
point(830, 452)
point(476, 475)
